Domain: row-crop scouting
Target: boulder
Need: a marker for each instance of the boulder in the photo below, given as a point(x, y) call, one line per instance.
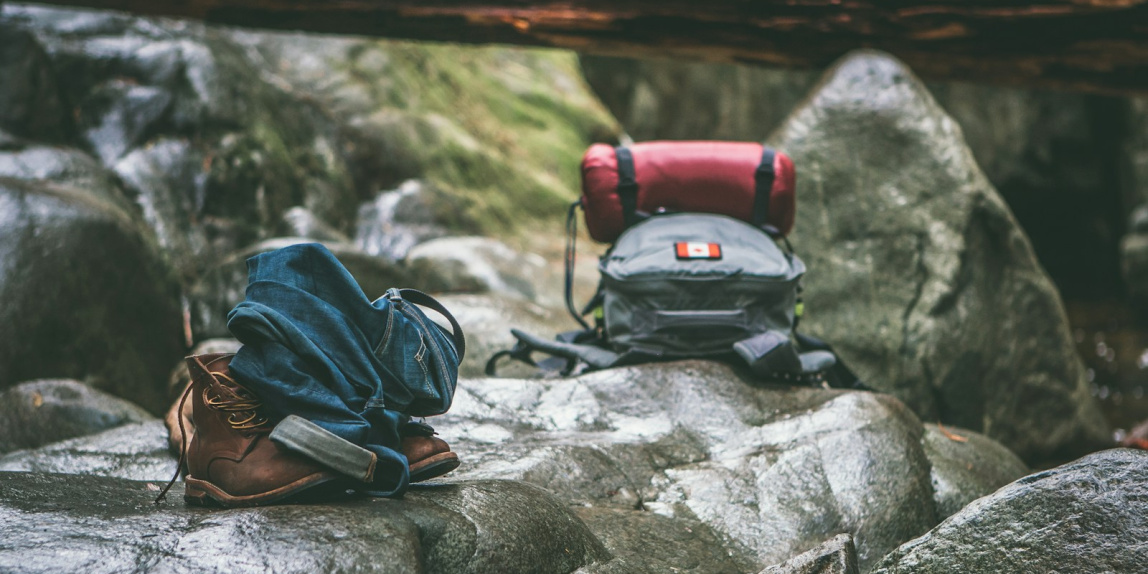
point(158, 176)
point(773, 471)
point(919, 274)
point(401, 218)
point(86, 293)
point(1088, 516)
point(477, 265)
point(223, 285)
point(718, 474)
point(36, 413)
point(22, 159)
point(835, 556)
point(648, 543)
point(57, 522)
point(965, 466)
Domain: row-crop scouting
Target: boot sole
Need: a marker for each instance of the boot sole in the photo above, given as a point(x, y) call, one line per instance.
point(434, 466)
point(203, 493)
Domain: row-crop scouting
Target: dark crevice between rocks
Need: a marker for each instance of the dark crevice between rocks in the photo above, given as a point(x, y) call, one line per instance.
point(1075, 217)
point(919, 289)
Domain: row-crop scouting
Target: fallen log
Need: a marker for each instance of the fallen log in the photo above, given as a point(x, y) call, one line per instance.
point(1090, 45)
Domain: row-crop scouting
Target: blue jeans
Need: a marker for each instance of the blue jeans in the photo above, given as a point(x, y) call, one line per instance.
point(315, 346)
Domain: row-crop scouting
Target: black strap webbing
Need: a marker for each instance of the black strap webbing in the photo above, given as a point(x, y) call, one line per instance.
point(569, 259)
point(419, 298)
point(627, 185)
point(763, 187)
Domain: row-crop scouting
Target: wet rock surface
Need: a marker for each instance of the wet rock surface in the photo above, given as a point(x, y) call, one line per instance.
point(919, 275)
point(134, 451)
point(716, 473)
point(1088, 516)
point(835, 556)
point(37, 413)
point(773, 470)
point(111, 525)
point(183, 149)
point(966, 465)
point(645, 542)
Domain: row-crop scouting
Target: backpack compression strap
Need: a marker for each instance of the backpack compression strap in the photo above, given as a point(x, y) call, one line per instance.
point(628, 185)
point(763, 187)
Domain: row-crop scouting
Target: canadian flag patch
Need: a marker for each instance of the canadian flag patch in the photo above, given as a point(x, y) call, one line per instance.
point(697, 250)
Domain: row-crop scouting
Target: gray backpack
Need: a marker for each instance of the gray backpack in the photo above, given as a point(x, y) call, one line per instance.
point(692, 285)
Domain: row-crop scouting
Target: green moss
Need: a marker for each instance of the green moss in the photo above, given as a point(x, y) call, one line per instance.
point(499, 130)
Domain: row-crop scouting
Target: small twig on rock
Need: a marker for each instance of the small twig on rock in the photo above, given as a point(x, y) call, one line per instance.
point(950, 435)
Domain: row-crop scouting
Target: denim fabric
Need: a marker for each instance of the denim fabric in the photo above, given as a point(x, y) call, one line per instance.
point(315, 346)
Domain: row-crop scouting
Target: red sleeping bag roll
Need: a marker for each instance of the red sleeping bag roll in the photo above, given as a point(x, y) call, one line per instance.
point(742, 180)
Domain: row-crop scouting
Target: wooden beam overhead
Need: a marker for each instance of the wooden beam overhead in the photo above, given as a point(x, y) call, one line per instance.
point(1090, 45)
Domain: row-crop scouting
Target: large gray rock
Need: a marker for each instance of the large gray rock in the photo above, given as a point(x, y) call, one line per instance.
point(705, 463)
point(965, 466)
point(398, 219)
point(836, 556)
point(644, 542)
point(36, 413)
point(86, 295)
point(159, 177)
point(920, 276)
point(1088, 516)
point(92, 524)
point(774, 471)
point(22, 159)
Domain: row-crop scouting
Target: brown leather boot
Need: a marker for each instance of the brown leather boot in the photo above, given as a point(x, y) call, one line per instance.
point(230, 459)
point(429, 457)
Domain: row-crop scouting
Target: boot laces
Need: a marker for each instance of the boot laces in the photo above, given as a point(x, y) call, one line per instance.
point(242, 410)
point(241, 406)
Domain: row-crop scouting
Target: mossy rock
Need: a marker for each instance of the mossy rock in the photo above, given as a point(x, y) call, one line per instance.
point(500, 131)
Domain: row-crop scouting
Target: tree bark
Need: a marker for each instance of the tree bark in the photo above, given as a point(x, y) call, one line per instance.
point(1090, 45)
